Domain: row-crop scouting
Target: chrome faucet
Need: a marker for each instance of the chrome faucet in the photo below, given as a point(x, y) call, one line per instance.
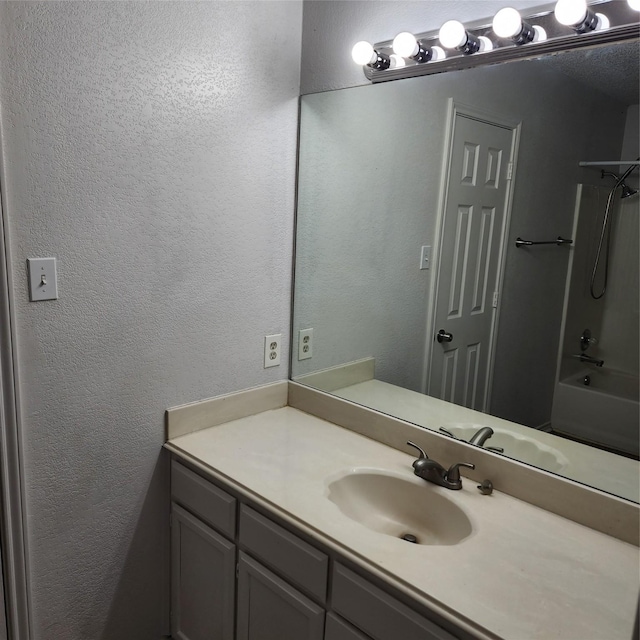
point(432, 471)
point(481, 436)
point(583, 357)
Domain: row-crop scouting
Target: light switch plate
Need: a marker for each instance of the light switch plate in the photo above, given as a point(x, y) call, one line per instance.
point(425, 257)
point(43, 279)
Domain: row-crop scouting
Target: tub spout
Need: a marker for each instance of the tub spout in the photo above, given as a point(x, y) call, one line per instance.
point(583, 357)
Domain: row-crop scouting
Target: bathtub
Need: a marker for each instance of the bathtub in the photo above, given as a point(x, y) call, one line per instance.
point(606, 412)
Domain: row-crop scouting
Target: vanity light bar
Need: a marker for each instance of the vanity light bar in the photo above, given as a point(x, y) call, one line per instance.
point(568, 24)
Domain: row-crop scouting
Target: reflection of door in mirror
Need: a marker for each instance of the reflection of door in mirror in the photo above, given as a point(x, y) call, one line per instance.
point(476, 208)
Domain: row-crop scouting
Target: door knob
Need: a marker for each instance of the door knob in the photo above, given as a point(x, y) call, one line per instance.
point(443, 336)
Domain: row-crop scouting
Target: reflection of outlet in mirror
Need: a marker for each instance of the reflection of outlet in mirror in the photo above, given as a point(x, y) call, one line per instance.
point(272, 345)
point(425, 257)
point(43, 283)
point(305, 344)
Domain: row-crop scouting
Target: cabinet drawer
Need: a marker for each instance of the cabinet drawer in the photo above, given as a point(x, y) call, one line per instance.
point(377, 613)
point(290, 557)
point(215, 506)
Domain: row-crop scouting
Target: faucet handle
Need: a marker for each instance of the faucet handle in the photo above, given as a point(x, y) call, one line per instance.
point(423, 455)
point(453, 475)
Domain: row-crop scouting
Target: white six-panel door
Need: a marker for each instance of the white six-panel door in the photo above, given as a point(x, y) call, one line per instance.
point(475, 207)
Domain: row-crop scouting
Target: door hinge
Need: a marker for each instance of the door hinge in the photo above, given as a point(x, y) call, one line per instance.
point(494, 303)
point(509, 170)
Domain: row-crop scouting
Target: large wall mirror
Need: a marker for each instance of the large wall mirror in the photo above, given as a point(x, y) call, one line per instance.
point(412, 294)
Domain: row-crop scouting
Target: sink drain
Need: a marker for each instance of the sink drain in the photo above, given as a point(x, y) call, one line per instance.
point(409, 537)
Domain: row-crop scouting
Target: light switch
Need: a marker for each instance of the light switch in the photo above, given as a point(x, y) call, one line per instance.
point(425, 257)
point(43, 284)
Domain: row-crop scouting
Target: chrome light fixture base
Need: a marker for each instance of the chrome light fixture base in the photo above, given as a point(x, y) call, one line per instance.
point(623, 25)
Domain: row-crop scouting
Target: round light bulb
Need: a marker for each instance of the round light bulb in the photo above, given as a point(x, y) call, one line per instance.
point(452, 34)
point(570, 12)
point(603, 22)
point(634, 4)
point(405, 44)
point(485, 44)
point(540, 35)
point(397, 61)
point(438, 53)
point(507, 23)
point(363, 53)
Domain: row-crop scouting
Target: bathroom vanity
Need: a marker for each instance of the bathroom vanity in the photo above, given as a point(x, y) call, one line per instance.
point(286, 525)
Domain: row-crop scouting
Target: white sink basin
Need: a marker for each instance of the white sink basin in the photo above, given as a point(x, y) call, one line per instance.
point(515, 445)
point(397, 506)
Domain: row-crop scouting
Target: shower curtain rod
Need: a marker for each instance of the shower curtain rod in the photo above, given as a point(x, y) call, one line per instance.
point(608, 163)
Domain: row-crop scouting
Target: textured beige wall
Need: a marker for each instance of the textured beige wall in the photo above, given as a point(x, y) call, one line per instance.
point(150, 147)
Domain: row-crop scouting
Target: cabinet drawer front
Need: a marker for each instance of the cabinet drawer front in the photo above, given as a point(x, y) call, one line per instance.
point(215, 506)
point(290, 557)
point(377, 613)
point(338, 629)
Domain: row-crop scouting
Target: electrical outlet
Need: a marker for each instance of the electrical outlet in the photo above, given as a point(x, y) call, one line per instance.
point(272, 346)
point(425, 257)
point(305, 344)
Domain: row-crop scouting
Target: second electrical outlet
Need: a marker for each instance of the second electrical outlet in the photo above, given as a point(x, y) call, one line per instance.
point(272, 346)
point(305, 344)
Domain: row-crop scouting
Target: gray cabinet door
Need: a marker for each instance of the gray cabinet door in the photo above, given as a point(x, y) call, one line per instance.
point(202, 580)
point(271, 609)
point(337, 629)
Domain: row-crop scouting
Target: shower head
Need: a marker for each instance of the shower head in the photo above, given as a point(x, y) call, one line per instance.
point(627, 191)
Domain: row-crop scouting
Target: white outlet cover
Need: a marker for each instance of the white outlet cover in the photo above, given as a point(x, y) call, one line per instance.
point(305, 344)
point(272, 348)
point(43, 279)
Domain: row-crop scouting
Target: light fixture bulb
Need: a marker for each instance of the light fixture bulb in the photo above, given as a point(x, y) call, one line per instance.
point(507, 23)
point(397, 61)
point(438, 53)
point(634, 4)
point(363, 53)
point(405, 45)
point(539, 33)
point(603, 22)
point(485, 43)
point(452, 35)
point(570, 12)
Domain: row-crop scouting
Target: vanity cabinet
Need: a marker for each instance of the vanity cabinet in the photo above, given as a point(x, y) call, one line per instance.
point(239, 575)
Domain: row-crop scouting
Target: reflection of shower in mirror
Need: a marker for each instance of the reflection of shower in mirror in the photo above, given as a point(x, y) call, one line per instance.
point(627, 192)
point(603, 411)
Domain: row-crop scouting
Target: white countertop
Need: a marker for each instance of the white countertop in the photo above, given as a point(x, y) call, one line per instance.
point(524, 573)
